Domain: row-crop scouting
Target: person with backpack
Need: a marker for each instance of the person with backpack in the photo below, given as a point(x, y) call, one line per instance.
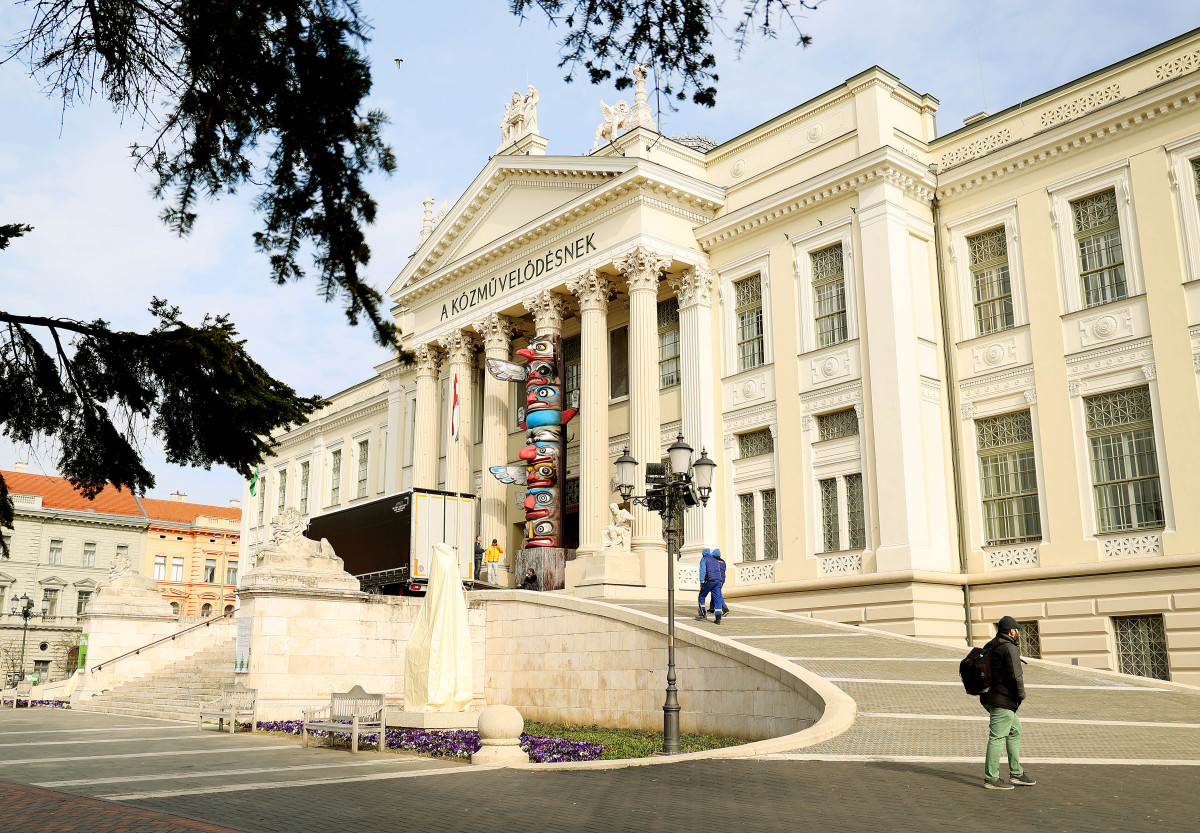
point(712, 576)
point(1004, 694)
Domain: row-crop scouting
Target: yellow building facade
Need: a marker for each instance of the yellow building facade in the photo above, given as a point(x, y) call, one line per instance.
point(192, 552)
point(945, 377)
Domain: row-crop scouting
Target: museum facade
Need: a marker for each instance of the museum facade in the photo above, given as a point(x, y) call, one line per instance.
point(944, 378)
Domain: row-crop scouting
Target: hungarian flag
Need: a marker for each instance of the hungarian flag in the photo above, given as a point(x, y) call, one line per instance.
point(454, 410)
point(254, 481)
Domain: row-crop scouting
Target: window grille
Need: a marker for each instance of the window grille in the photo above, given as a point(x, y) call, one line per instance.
point(1101, 257)
point(746, 505)
point(160, 568)
point(282, 490)
point(176, 569)
point(1196, 176)
point(572, 369)
point(364, 450)
point(305, 468)
point(750, 349)
point(571, 493)
point(770, 524)
point(829, 291)
point(50, 596)
point(56, 551)
point(668, 343)
point(756, 443)
point(335, 478)
point(210, 571)
point(1142, 646)
point(831, 534)
point(838, 424)
point(81, 602)
point(990, 281)
point(1029, 640)
point(1008, 479)
point(1124, 460)
point(856, 521)
point(89, 554)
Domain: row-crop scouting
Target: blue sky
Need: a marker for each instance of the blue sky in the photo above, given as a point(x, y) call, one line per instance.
point(99, 251)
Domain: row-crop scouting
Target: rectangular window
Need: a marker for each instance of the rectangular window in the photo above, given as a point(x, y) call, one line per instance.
point(1008, 479)
point(210, 571)
point(81, 602)
point(160, 568)
point(668, 343)
point(1098, 244)
point(837, 425)
point(335, 478)
point(364, 449)
point(41, 667)
point(990, 281)
point(89, 553)
point(755, 443)
point(831, 537)
point(829, 296)
point(1120, 428)
point(572, 370)
point(1029, 640)
point(123, 551)
point(281, 502)
point(55, 551)
point(50, 596)
point(856, 519)
point(1142, 646)
point(746, 505)
point(5, 551)
point(176, 569)
point(770, 524)
point(749, 318)
point(305, 468)
point(618, 363)
point(1196, 177)
point(231, 573)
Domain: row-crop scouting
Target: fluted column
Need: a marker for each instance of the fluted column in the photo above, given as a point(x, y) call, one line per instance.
point(425, 441)
point(694, 290)
point(460, 347)
point(547, 309)
point(496, 331)
point(642, 269)
point(592, 289)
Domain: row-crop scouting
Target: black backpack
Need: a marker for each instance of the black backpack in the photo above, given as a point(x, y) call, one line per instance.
point(976, 670)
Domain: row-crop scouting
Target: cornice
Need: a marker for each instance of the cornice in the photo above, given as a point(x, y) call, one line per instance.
point(344, 417)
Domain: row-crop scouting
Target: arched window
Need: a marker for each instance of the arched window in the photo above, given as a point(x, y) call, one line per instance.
point(175, 608)
point(206, 611)
point(228, 609)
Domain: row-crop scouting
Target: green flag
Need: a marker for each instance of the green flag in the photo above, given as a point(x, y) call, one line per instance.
point(254, 481)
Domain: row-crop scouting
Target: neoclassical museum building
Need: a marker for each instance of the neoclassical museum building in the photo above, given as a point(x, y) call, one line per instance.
point(944, 377)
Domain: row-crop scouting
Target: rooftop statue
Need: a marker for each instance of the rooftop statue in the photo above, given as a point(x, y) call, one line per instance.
point(520, 117)
point(613, 124)
point(620, 117)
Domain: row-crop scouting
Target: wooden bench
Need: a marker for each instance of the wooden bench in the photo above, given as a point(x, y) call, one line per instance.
point(236, 701)
point(367, 713)
point(23, 690)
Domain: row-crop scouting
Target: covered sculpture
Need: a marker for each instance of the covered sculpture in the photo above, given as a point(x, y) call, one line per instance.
point(437, 664)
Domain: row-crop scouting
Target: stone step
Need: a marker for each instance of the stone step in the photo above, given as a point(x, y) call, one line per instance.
point(183, 715)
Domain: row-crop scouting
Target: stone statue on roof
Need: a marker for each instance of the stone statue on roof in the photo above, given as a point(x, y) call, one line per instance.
point(520, 117)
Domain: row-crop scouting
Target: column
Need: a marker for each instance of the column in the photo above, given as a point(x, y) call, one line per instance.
point(592, 289)
point(642, 269)
point(694, 290)
point(496, 331)
point(393, 441)
point(425, 440)
point(460, 347)
point(547, 309)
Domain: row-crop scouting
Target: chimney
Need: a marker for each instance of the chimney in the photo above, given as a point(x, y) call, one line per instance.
point(178, 497)
point(21, 466)
point(235, 504)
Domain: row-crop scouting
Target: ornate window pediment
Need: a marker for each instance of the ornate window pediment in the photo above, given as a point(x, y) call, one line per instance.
point(52, 581)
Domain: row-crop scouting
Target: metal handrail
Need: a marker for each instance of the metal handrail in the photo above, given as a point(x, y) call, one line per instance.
point(170, 638)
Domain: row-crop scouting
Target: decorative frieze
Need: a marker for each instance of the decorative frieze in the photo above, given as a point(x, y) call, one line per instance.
point(1131, 546)
point(831, 399)
point(996, 354)
point(1013, 558)
point(1181, 65)
point(1082, 105)
point(756, 572)
point(976, 148)
point(842, 564)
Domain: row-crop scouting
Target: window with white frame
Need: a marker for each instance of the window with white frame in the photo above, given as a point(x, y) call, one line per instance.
point(282, 497)
point(160, 568)
point(89, 553)
point(363, 459)
point(56, 547)
point(746, 515)
point(1125, 481)
point(668, 343)
point(50, 602)
point(210, 571)
point(990, 282)
point(176, 569)
point(843, 513)
point(756, 443)
point(838, 424)
point(335, 477)
point(82, 598)
point(1008, 479)
point(748, 312)
point(829, 295)
point(305, 474)
point(1101, 257)
point(231, 571)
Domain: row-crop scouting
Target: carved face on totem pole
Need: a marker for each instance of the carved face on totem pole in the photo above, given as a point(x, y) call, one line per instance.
point(543, 455)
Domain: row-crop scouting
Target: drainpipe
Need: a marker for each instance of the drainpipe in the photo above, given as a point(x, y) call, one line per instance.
point(952, 400)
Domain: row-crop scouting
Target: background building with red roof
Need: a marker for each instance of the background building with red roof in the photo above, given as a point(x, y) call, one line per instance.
point(192, 552)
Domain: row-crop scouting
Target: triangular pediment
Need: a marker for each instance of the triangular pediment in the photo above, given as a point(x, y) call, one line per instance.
point(53, 581)
point(5, 578)
point(86, 584)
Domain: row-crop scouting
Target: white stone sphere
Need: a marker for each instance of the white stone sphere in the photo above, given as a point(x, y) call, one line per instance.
point(500, 723)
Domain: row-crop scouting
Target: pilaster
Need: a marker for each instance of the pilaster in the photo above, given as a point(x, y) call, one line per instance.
point(425, 443)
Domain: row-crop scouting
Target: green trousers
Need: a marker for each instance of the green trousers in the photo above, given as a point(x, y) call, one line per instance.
point(1004, 730)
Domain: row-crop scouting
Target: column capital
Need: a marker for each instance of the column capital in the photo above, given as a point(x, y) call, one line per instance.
point(693, 287)
point(642, 268)
point(547, 308)
point(592, 289)
point(460, 346)
point(497, 332)
point(428, 359)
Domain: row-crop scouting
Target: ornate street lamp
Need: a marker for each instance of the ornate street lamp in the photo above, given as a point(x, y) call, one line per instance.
point(671, 490)
point(23, 607)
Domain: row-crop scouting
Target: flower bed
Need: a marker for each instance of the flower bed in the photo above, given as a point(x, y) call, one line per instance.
point(44, 704)
point(458, 743)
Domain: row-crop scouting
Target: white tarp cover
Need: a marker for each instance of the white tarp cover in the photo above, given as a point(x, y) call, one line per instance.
point(437, 663)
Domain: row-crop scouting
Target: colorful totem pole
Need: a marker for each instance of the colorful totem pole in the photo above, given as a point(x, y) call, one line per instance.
point(544, 455)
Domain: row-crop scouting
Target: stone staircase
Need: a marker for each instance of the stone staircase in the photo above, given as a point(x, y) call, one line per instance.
point(175, 692)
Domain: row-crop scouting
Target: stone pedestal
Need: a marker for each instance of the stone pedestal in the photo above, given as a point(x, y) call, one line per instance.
point(500, 730)
point(607, 574)
point(433, 720)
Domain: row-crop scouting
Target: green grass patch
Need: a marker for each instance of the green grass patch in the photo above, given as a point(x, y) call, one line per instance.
point(627, 743)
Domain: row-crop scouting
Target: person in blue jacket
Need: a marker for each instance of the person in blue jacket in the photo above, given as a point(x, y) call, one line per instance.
point(712, 576)
point(719, 595)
